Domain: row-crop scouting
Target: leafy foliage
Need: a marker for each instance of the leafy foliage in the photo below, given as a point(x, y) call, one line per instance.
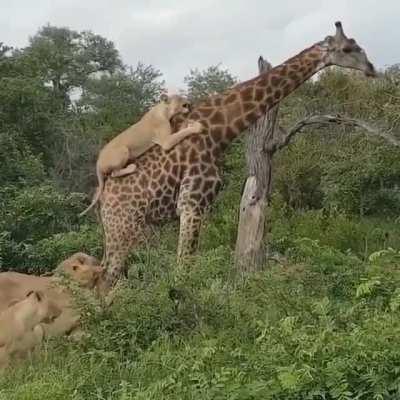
point(65, 59)
point(211, 81)
point(322, 322)
point(121, 98)
point(287, 332)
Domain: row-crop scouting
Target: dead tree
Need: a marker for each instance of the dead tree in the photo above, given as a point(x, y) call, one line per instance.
point(264, 140)
point(250, 252)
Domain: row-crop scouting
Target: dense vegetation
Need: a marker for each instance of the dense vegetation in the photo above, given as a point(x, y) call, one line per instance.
point(322, 323)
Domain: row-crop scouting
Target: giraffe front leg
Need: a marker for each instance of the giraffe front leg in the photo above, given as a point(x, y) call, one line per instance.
point(115, 267)
point(190, 224)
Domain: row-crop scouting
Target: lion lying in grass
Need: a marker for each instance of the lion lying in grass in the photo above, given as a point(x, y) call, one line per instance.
point(79, 275)
point(20, 325)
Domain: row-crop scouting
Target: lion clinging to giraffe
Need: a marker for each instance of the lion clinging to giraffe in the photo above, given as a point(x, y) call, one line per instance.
point(153, 128)
point(184, 181)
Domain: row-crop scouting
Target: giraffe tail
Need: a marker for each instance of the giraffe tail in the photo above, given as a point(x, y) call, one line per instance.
point(99, 191)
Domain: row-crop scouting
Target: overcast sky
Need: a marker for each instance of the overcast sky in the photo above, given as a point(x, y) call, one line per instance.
point(177, 35)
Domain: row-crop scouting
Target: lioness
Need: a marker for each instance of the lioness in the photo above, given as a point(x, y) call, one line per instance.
point(79, 268)
point(153, 128)
point(19, 324)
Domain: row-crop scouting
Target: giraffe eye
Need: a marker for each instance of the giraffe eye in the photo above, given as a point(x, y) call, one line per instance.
point(347, 49)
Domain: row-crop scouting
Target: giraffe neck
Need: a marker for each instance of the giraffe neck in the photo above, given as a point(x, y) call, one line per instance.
point(244, 104)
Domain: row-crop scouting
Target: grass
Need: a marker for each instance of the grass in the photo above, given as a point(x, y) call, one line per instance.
point(298, 331)
point(323, 325)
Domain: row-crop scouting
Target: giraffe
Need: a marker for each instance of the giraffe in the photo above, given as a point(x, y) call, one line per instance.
point(184, 181)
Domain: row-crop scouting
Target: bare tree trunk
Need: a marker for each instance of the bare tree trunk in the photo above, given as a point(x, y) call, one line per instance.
point(250, 251)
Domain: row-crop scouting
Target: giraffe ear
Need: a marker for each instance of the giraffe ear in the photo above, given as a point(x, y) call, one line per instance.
point(329, 40)
point(80, 258)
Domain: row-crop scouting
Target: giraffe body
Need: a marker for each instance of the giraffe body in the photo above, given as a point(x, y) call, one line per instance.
point(181, 183)
point(184, 181)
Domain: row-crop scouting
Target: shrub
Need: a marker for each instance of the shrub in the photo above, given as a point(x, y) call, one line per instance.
point(45, 254)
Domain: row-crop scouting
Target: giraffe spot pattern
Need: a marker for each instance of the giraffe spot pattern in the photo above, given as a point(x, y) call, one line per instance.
point(217, 118)
point(247, 94)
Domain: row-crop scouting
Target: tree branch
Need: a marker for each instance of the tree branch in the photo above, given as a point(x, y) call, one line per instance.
point(285, 137)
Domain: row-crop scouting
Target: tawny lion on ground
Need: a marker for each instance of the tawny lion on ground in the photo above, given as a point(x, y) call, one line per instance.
point(20, 329)
point(80, 269)
point(153, 128)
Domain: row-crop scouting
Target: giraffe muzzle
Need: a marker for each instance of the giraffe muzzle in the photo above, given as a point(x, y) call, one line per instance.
point(370, 71)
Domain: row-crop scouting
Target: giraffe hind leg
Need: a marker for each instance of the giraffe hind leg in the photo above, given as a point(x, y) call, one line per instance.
point(123, 232)
point(190, 224)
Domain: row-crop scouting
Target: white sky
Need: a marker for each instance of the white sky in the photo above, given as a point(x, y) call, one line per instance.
point(175, 36)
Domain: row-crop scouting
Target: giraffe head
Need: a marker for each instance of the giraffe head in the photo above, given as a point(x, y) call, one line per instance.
point(176, 105)
point(345, 52)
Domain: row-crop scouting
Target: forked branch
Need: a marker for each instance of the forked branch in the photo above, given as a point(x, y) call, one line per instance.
point(285, 136)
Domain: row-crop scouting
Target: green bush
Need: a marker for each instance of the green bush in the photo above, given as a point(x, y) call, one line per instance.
point(37, 212)
point(18, 165)
point(298, 174)
point(339, 230)
point(323, 326)
point(39, 226)
point(364, 179)
point(45, 254)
